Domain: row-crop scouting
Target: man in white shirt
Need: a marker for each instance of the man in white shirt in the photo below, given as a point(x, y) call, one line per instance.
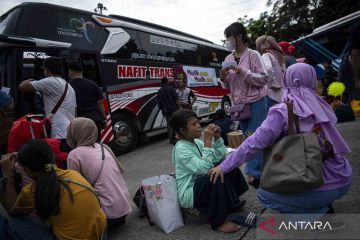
point(52, 88)
point(186, 96)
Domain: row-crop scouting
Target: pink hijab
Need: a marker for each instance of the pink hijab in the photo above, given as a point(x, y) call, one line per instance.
point(299, 87)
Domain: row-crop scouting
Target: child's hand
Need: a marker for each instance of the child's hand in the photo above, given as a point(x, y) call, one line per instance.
point(208, 135)
point(209, 132)
point(217, 132)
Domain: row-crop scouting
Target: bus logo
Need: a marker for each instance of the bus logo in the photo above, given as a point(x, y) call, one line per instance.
point(80, 24)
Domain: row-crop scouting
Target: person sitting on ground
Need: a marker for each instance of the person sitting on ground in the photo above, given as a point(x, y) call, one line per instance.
point(342, 111)
point(62, 198)
point(99, 166)
point(225, 124)
point(192, 159)
point(313, 112)
point(187, 97)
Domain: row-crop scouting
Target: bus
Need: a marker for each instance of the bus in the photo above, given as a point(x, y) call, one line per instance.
point(328, 42)
point(125, 57)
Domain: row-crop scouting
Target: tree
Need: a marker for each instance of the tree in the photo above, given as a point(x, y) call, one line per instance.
point(291, 19)
point(331, 10)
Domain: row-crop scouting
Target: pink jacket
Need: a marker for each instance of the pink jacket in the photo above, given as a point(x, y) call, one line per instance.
point(276, 75)
point(253, 77)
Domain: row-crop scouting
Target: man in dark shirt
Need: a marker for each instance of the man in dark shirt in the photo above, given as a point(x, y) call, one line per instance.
point(168, 102)
point(88, 96)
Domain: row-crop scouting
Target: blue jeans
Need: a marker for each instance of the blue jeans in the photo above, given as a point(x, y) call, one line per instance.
point(312, 202)
point(249, 126)
point(270, 102)
point(26, 228)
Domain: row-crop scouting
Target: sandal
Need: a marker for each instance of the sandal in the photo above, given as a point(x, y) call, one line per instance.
point(245, 220)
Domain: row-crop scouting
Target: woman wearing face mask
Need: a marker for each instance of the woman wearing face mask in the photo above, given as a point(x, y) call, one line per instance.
point(247, 84)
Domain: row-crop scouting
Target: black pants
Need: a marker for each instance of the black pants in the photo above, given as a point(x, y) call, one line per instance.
point(171, 133)
point(217, 200)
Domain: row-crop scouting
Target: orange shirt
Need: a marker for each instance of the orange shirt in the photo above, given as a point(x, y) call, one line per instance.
point(80, 219)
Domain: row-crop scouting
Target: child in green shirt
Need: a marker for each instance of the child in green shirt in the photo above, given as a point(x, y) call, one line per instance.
point(193, 159)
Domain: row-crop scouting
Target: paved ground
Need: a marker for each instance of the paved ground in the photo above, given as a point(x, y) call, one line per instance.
point(155, 159)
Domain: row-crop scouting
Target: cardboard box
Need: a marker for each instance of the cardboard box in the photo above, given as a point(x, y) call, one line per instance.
point(235, 138)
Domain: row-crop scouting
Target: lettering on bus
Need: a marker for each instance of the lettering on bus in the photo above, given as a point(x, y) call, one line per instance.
point(159, 72)
point(139, 72)
point(125, 71)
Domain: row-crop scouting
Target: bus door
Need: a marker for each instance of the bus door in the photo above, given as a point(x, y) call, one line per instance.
point(92, 71)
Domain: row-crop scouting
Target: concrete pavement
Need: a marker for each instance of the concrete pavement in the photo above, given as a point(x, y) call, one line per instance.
point(154, 158)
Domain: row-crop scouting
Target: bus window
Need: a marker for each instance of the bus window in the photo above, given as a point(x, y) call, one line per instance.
point(64, 26)
point(90, 68)
point(162, 48)
point(132, 48)
point(7, 22)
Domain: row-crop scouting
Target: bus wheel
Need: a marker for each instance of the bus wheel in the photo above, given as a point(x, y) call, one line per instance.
point(225, 105)
point(125, 134)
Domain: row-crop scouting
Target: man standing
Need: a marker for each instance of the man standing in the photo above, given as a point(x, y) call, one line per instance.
point(186, 96)
point(88, 96)
point(168, 102)
point(55, 91)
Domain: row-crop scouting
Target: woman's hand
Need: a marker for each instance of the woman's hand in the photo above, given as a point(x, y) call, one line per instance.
point(214, 173)
point(223, 74)
point(8, 164)
point(236, 69)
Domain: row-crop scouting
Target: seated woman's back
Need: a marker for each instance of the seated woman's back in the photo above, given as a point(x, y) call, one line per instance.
point(98, 165)
point(108, 182)
point(75, 220)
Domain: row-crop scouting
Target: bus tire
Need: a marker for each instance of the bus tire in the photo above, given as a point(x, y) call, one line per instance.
point(125, 134)
point(226, 104)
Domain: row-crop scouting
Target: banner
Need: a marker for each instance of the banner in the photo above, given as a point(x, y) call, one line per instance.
point(198, 76)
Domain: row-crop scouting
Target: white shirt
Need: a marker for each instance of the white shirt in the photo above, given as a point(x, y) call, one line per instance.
point(183, 95)
point(52, 89)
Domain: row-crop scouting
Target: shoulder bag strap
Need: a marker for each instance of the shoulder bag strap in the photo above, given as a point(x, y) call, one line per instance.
point(292, 118)
point(84, 186)
point(61, 100)
point(102, 164)
point(198, 149)
point(120, 166)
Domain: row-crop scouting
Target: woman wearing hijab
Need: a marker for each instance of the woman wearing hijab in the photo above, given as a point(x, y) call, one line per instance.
point(274, 62)
point(100, 167)
point(299, 89)
point(247, 84)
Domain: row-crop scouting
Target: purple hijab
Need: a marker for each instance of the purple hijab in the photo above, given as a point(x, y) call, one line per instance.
point(299, 88)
